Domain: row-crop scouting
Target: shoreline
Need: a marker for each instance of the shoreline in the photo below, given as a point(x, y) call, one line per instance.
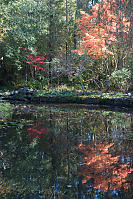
point(119, 102)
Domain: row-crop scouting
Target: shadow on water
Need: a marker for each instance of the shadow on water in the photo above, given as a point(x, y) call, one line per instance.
point(65, 152)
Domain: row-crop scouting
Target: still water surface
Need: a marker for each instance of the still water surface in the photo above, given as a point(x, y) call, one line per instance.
point(65, 152)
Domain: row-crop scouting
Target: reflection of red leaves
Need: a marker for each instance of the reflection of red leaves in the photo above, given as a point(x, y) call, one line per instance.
point(103, 168)
point(36, 131)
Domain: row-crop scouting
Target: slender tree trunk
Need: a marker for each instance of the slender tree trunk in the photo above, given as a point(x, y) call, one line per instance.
point(81, 83)
point(131, 40)
point(68, 149)
point(80, 187)
point(81, 125)
point(67, 34)
point(26, 73)
point(77, 13)
point(50, 40)
point(74, 36)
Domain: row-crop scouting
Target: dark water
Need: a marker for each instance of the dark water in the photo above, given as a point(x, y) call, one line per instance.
point(65, 152)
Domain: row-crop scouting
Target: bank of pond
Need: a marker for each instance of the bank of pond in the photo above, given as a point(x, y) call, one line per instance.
point(69, 96)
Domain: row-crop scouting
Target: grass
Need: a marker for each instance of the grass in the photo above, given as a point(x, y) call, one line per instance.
point(65, 91)
point(70, 93)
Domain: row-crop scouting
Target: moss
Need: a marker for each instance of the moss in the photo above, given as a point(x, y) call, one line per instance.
point(117, 99)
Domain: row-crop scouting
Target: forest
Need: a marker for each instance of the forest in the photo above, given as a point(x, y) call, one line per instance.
point(66, 99)
point(69, 44)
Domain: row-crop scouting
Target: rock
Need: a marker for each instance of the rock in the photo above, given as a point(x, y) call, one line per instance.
point(129, 94)
point(13, 93)
point(23, 90)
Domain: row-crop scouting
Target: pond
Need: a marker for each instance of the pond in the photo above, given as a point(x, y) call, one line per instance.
point(65, 152)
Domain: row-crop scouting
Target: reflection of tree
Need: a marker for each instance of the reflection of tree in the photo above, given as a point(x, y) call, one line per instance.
point(48, 164)
point(106, 124)
point(43, 165)
point(3, 188)
point(6, 111)
point(106, 171)
point(36, 131)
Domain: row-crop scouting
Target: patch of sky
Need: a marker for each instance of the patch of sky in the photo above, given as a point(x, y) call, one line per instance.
point(122, 159)
point(128, 159)
point(114, 192)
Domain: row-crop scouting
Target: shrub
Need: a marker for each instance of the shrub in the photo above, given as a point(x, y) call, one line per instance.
point(120, 79)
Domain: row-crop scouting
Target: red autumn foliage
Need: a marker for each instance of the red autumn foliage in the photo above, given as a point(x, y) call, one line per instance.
point(101, 29)
point(36, 131)
point(34, 59)
point(105, 169)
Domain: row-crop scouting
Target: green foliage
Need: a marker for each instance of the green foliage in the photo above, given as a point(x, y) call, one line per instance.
point(23, 27)
point(79, 95)
point(28, 26)
point(5, 111)
point(120, 79)
point(38, 84)
point(35, 25)
point(62, 93)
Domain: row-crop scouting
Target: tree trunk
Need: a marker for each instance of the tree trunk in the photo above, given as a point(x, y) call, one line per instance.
point(50, 56)
point(66, 35)
point(131, 41)
point(81, 83)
